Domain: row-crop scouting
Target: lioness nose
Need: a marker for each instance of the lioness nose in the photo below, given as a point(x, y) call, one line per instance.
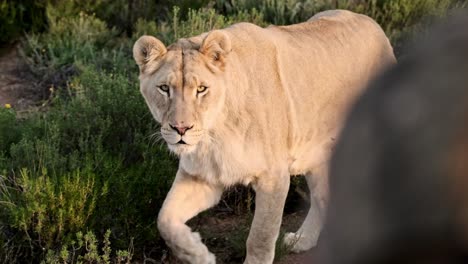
point(180, 129)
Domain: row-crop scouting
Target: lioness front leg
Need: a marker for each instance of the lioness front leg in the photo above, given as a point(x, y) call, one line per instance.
point(270, 197)
point(188, 197)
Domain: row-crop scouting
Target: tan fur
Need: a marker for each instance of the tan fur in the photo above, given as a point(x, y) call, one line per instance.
point(275, 102)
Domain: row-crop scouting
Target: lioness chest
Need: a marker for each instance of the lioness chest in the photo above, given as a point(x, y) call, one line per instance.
point(226, 164)
point(234, 163)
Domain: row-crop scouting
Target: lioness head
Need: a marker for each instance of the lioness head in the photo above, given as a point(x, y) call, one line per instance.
point(183, 85)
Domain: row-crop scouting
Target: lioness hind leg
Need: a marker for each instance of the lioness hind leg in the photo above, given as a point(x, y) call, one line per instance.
point(306, 237)
point(187, 197)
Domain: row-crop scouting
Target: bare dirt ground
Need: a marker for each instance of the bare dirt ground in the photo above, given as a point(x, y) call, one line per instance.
point(237, 228)
point(15, 80)
point(225, 235)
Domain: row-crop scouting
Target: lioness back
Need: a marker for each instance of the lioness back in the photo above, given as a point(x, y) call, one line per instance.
point(305, 76)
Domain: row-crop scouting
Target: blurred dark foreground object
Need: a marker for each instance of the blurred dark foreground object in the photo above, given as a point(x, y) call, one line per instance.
point(399, 176)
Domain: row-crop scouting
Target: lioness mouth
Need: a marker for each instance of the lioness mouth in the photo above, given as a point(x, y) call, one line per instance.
point(182, 142)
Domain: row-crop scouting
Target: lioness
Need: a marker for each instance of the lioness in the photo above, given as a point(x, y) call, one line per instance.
point(255, 105)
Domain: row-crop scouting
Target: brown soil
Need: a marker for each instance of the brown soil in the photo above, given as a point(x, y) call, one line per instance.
point(225, 235)
point(16, 81)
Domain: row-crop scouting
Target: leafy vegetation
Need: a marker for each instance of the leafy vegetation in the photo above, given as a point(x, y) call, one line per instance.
point(17, 16)
point(87, 160)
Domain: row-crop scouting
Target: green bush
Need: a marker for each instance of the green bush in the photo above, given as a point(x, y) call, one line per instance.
point(100, 133)
point(47, 208)
point(78, 38)
point(398, 18)
point(85, 249)
point(9, 128)
point(20, 16)
point(17, 16)
point(197, 22)
point(88, 162)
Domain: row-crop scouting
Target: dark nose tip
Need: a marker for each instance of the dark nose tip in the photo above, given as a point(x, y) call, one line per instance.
point(181, 129)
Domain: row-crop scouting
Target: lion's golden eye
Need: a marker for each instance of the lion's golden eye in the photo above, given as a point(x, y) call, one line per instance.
point(164, 88)
point(201, 89)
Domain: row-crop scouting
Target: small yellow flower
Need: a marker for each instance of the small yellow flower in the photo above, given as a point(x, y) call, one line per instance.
point(7, 106)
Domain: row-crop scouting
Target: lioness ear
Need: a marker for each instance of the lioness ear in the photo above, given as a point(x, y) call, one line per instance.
point(216, 46)
point(147, 49)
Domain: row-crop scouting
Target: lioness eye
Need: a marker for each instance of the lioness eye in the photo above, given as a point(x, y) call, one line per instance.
point(201, 89)
point(164, 88)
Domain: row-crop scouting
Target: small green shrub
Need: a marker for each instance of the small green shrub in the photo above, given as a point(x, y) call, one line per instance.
point(197, 22)
point(9, 128)
point(48, 208)
point(94, 140)
point(144, 27)
point(100, 126)
point(17, 16)
point(70, 39)
point(71, 252)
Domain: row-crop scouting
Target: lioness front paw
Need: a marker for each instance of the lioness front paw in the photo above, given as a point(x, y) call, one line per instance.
point(194, 251)
point(209, 258)
point(299, 242)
